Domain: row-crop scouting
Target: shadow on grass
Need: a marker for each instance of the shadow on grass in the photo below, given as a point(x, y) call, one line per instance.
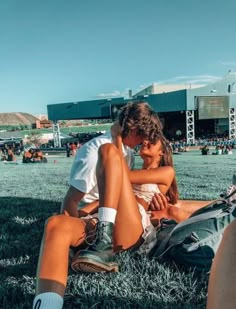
point(108, 302)
point(21, 229)
point(141, 283)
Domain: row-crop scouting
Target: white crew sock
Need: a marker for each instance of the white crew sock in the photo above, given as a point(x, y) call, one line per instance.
point(48, 300)
point(107, 214)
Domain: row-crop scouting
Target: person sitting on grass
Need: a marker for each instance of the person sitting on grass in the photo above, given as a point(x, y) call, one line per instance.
point(205, 150)
point(218, 150)
point(138, 121)
point(132, 222)
point(10, 155)
point(38, 157)
point(28, 156)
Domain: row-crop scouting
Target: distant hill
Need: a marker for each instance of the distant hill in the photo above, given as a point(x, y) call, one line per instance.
point(17, 119)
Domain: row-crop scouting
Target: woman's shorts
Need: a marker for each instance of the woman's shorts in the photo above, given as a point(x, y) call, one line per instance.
point(149, 232)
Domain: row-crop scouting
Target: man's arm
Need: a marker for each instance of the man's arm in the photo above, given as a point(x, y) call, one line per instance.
point(89, 209)
point(71, 201)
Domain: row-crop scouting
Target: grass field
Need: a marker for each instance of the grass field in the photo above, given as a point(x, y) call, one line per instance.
point(31, 193)
point(66, 130)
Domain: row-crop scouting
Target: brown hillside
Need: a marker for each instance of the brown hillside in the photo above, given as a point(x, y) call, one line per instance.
point(17, 119)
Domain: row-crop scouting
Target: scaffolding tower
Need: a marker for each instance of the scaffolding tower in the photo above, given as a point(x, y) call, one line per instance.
point(232, 123)
point(190, 133)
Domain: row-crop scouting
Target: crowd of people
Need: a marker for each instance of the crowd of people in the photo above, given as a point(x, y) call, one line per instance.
point(11, 154)
point(85, 137)
point(110, 207)
point(34, 156)
point(202, 141)
point(219, 150)
point(7, 155)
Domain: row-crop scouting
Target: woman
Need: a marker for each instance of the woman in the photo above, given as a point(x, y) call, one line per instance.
point(155, 156)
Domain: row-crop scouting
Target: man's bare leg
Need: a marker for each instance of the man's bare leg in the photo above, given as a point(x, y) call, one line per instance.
point(60, 233)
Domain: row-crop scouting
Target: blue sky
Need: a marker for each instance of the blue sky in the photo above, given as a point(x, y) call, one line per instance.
point(55, 51)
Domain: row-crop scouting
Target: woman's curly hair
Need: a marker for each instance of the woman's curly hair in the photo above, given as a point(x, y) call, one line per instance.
point(140, 118)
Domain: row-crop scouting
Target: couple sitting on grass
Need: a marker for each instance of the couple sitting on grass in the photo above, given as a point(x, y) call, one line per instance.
point(119, 201)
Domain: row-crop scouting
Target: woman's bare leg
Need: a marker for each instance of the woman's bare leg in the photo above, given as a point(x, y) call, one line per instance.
point(171, 212)
point(192, 205)
point(60, 233)
point(115, 191)
point(179, 212)
point(221, 288)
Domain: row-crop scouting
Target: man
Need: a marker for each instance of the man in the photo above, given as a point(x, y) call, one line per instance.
point(138, 122)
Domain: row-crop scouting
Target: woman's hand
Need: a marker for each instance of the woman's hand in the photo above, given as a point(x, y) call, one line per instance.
point(159, 202)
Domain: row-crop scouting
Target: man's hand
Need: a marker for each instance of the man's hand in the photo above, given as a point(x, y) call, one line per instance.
point(159, 202)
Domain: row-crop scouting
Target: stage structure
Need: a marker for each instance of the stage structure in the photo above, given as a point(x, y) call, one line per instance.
point(190, 127)
point(56, 134)
point(185, 113)
point(232, 132)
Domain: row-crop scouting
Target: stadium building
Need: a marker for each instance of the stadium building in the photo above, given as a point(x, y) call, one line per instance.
point(186, 113)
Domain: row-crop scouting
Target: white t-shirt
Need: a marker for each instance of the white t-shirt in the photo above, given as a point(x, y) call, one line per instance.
point(83, 171)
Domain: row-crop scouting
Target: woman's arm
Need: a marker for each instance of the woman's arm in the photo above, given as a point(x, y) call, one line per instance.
point(162, 176)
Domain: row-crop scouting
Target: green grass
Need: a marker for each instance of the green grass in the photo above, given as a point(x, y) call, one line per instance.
point(73, 129)
point(31, 193)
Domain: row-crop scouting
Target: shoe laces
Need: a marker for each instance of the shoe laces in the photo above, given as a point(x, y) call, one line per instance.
point(98, 234)
point(91, 234)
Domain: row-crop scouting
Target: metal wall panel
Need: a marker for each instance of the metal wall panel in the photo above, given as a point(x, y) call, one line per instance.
point(168, 102)
point(82, 110)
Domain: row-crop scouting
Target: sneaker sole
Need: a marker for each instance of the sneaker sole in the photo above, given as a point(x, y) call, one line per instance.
point(91, 266)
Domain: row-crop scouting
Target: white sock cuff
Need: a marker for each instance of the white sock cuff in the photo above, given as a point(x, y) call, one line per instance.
point(107, 214)
point(48, 300)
